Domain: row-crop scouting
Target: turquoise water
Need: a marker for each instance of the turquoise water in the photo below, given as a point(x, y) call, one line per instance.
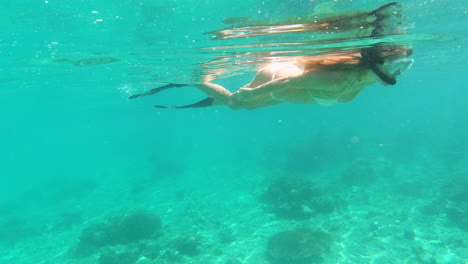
point(385, 176)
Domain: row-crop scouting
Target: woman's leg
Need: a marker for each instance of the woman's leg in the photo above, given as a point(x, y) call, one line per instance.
point(220, 94)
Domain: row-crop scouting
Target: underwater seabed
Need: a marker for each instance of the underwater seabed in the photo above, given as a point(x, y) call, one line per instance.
point(372, 210)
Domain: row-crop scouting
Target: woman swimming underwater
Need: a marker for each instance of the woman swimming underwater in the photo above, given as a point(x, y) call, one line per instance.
point(324, 78)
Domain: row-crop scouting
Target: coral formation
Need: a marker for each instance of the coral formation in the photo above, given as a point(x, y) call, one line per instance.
point(14, 229)
point(111, 256)
point(135, 226)
point(298, 246)
point(226, 236)
point(359, 173)
point(297, 198)
point(187, 246)
point(458, 215)
point(127, 228)
point(456, 210)
point(150, 249)
point(67, 220)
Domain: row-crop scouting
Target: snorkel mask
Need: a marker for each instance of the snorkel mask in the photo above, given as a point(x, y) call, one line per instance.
point(387, 62)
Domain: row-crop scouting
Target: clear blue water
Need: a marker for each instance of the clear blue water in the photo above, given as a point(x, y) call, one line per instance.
point(76, 152)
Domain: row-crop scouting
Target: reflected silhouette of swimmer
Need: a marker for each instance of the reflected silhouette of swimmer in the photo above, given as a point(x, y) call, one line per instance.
point(327, 78)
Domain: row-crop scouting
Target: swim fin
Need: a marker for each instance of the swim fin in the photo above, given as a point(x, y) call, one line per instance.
point(158, 89)
point(203, 103)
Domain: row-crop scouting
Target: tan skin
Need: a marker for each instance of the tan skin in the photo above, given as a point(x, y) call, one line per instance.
point(328, 78)
point(335, 77)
